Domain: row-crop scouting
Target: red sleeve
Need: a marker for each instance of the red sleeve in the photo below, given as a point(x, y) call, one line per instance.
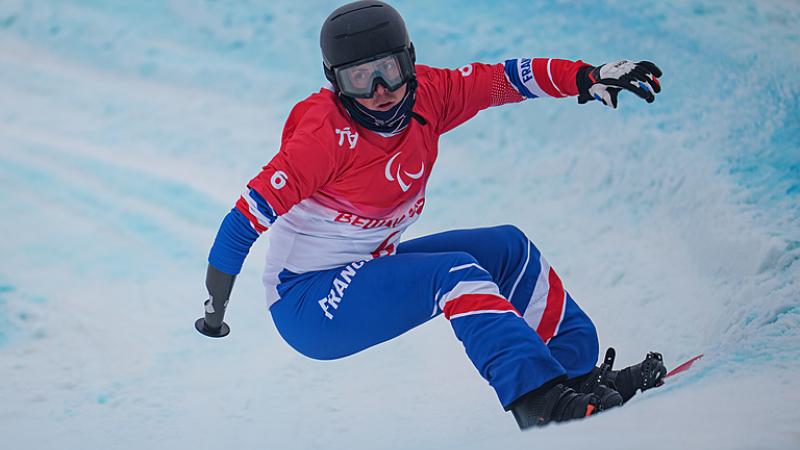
point(557, 77)
point(303, 164)
point(460, 94)
point(543, 77)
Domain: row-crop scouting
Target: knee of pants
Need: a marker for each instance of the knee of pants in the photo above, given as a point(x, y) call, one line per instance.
point(458, 268)
point(512, 240)
point(460, 258)
point(510, 232)
point(462, 266)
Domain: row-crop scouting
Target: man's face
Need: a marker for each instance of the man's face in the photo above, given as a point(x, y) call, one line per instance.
point(387, 71)
point(383, 99)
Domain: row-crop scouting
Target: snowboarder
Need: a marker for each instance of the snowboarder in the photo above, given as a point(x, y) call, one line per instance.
point(350, 178)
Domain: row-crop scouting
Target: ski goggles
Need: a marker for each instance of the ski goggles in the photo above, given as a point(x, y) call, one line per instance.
point(360, 79)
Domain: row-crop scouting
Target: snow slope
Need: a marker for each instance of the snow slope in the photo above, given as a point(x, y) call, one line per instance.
point(128, 129)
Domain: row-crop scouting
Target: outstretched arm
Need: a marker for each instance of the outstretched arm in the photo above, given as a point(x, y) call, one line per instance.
point(464, 92)
point(541, 77)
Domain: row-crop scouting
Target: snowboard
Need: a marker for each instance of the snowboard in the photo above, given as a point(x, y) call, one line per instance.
point(682, 367)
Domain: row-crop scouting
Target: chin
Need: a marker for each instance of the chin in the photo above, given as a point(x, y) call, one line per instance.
point(375, 106)
point(385, 108)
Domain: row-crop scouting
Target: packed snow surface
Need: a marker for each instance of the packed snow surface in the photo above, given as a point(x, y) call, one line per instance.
point(129, 128)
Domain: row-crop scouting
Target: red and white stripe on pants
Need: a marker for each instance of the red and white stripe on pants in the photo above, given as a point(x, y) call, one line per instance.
point(474, 297)
point(548, 302)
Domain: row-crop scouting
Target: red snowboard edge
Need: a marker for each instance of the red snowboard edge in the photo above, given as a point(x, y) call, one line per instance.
point(683, 367)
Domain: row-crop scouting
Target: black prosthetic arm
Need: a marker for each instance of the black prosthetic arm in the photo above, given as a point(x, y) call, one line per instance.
point(219, 285)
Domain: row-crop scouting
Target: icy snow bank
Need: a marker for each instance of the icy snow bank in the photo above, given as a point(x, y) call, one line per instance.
point(129, 128)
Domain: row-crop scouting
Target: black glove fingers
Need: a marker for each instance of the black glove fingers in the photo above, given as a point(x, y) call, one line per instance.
point(634, 85)
point(639, 81)
point(654, 84)
point(647, 75)
point(646, 81)
point(644, 91)
point(613, 93)
point(640, 73)
point(650, 67)
point(641, 89)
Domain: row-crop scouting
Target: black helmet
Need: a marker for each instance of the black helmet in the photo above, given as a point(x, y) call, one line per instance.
point(364, 31)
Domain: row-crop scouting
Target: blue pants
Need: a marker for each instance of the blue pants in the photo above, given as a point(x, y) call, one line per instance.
point(519, 327)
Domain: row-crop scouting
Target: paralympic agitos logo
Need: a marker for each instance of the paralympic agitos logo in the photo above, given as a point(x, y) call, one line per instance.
point(396, 174)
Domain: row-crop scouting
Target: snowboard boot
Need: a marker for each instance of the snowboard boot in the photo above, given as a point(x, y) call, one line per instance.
point(599, 383)
point(643, 376)
point(552, 403)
